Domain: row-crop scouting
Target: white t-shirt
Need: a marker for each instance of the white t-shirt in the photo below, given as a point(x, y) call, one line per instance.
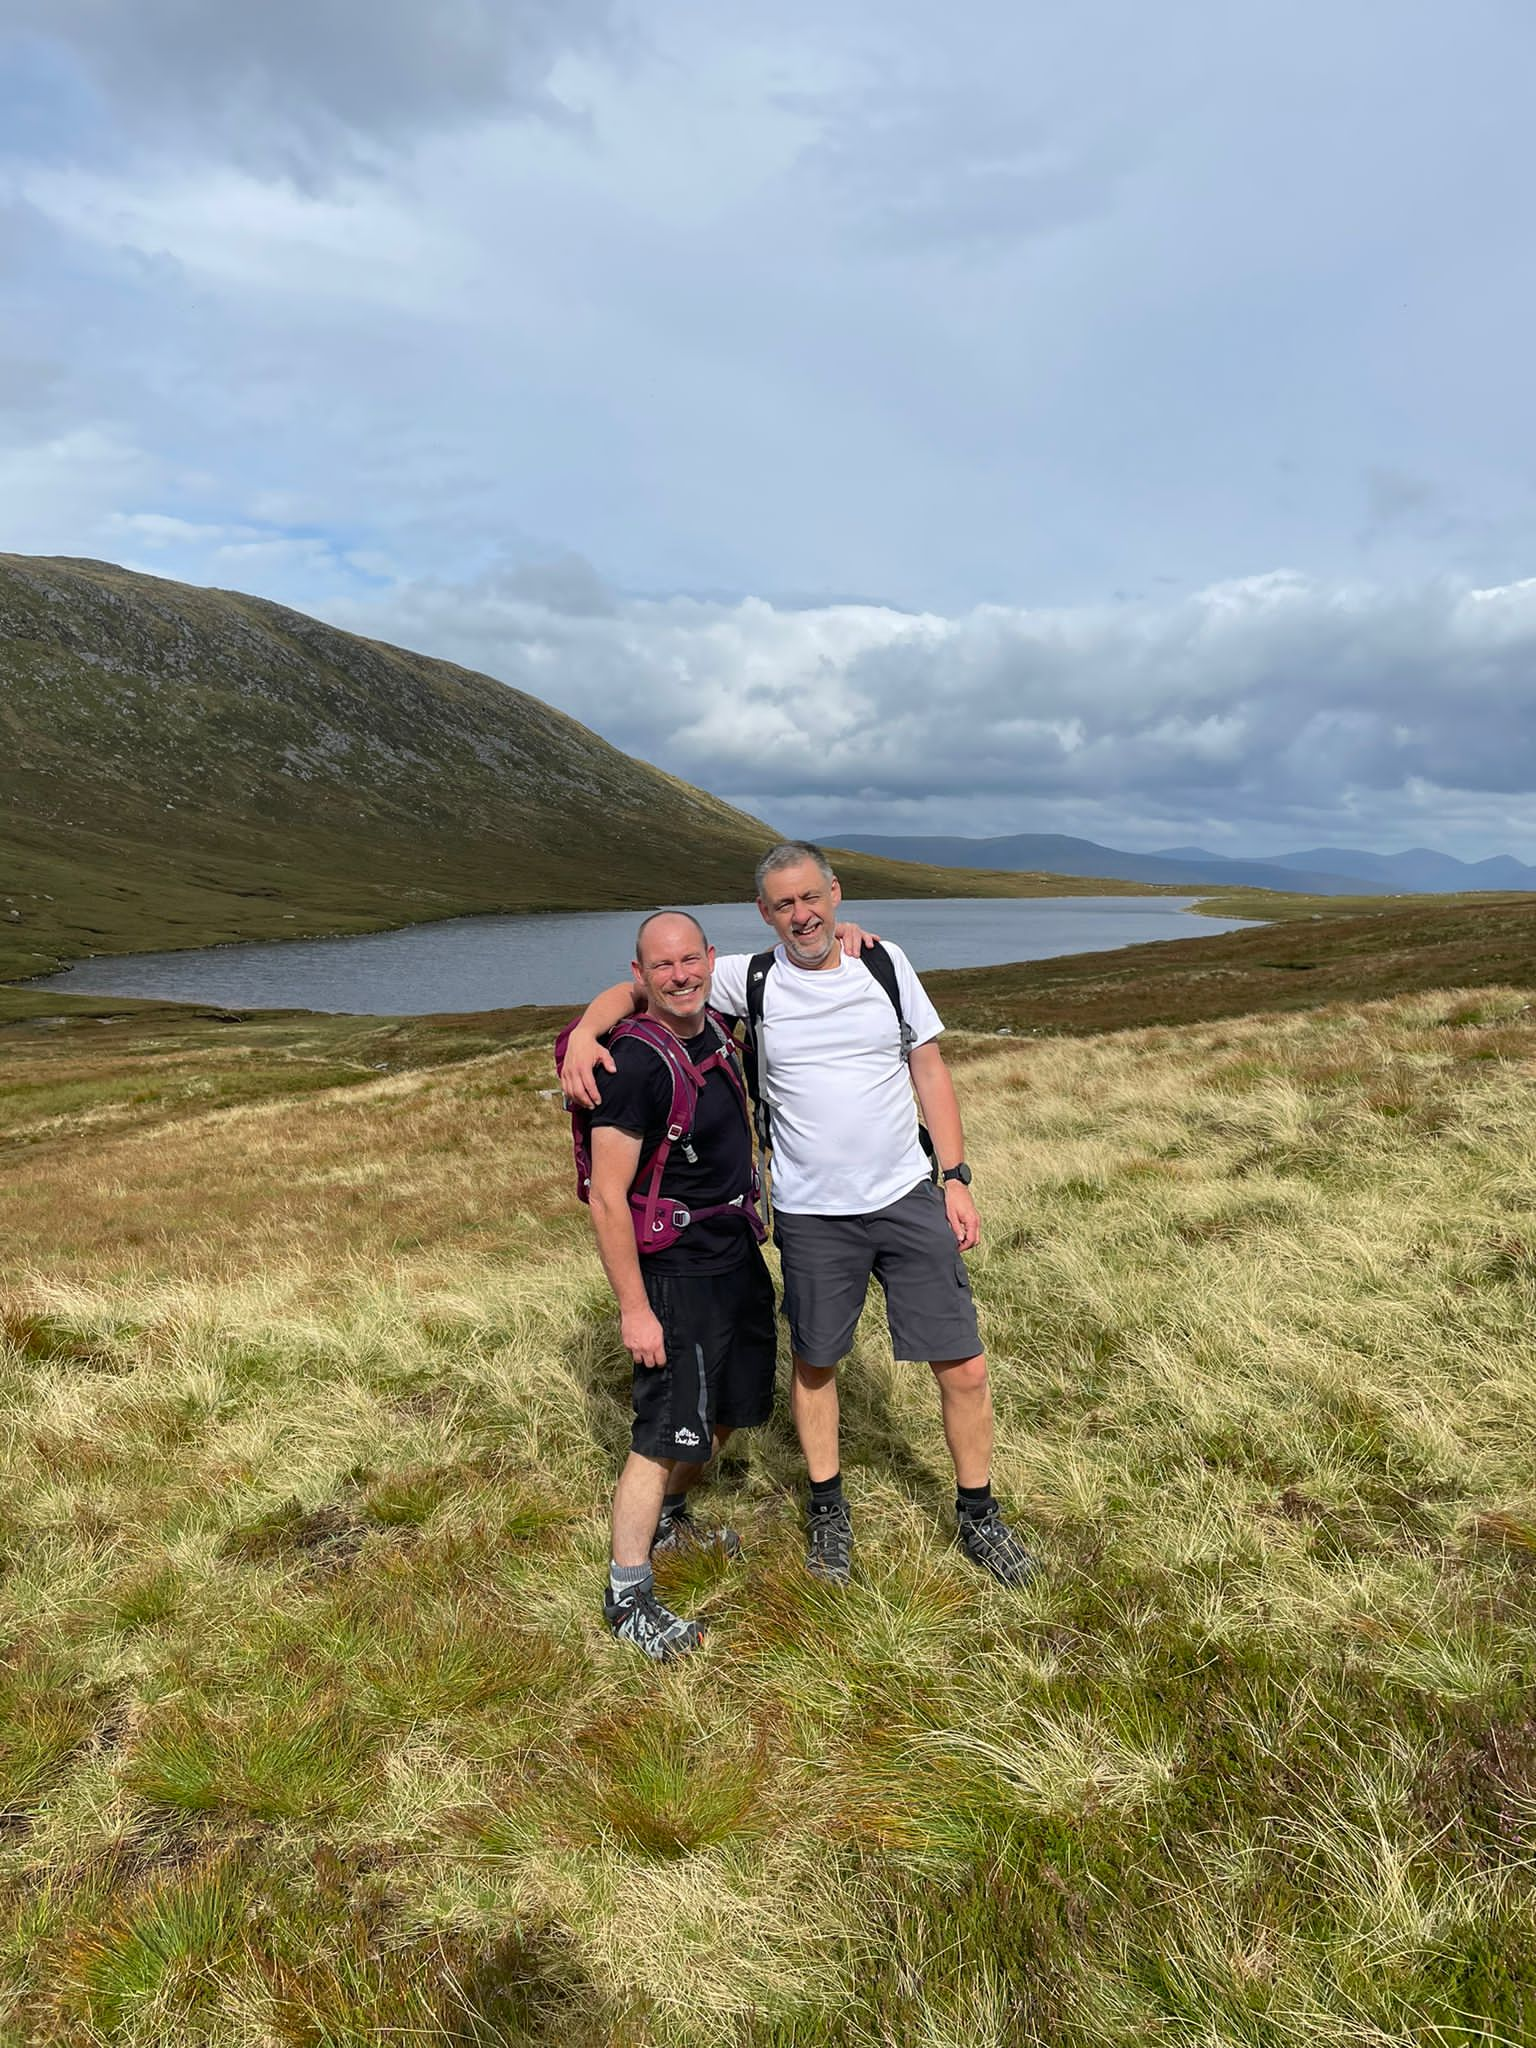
point(844, 1121)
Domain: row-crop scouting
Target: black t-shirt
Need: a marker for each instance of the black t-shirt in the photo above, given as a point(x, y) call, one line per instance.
point(637, 1099)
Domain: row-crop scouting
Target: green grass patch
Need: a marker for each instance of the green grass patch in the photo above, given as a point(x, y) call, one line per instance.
point(310, 1730)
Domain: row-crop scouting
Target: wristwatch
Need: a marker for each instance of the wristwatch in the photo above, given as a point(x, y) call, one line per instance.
point(960, 1172)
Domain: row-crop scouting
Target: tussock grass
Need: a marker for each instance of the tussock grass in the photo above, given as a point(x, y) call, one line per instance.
point(310, 1732)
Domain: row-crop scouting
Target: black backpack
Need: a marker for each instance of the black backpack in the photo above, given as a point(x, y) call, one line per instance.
point(883, 968)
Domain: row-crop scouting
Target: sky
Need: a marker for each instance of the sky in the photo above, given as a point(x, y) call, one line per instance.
point(981, 418)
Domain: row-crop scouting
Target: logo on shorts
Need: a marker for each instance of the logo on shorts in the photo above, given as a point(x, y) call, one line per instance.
point(685, 1436)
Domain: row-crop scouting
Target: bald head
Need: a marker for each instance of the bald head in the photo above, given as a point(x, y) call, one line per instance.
point(673, 965)
point(666, 929)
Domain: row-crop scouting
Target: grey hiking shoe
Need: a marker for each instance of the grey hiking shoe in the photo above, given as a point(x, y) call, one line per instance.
point(679, 1533)
point(988, 1542)
point(829, 1545)
point(655, 1631)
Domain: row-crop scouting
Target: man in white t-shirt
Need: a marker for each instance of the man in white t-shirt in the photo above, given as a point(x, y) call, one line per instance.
point(838, 1063)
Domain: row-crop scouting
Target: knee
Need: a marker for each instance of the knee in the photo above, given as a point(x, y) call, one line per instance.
point(962, 1375)
point(813, 1376)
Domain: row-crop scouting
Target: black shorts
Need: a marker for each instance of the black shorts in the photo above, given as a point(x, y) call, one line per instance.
point(909, 1248)
point(720, 1338)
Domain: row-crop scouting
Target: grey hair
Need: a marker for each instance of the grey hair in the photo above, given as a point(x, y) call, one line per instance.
point(790, 855)
point(646, 922)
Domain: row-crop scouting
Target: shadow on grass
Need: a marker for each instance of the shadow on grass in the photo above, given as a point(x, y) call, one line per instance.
point(877, 1440)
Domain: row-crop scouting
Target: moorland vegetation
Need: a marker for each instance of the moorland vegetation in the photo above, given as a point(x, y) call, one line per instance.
point(311, 1730)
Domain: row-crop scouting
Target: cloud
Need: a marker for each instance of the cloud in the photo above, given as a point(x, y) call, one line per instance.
point(28, 385)
point(567, 583)
point(164, 530)
point(953, 166)
point(1277, 700)
point(234, 553)
point(353, 244)
point(57, 493)
point(298, 83)
point(1400, 502)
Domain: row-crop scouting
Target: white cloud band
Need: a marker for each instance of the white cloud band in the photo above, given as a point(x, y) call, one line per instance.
point(1273, 699)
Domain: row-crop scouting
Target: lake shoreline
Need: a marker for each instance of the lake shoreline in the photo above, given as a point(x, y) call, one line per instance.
point(482, 964)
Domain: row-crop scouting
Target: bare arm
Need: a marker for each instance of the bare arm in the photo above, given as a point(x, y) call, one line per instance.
point(941, 1113)
point(615, 1157)
point(583, 1054)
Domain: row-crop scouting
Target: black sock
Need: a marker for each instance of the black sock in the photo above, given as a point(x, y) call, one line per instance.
point(826, 1494)
point(974, 1501)
point(671, 1502)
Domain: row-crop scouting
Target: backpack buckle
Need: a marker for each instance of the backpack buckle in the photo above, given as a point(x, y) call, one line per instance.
point(681, 1218)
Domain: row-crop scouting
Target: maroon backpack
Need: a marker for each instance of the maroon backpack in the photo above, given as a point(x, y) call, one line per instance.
point(659, 1221)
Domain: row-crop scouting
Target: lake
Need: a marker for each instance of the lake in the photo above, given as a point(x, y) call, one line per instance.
point(494, 963)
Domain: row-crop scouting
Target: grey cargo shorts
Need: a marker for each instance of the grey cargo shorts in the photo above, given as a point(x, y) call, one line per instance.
point(909, 1248)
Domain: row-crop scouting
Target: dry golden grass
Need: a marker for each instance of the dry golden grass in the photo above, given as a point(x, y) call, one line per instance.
point(311, 1733)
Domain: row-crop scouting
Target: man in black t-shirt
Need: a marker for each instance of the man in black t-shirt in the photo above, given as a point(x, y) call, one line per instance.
point(696, 1317)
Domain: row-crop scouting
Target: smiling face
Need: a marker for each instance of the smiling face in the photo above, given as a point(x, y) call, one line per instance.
point(673, 969)
point(801, 905)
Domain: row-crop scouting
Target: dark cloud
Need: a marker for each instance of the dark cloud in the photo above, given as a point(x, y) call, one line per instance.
point(31, 387)
point(1400, 503)
point(566, 583)
point(298, 82)
point(1394, 497)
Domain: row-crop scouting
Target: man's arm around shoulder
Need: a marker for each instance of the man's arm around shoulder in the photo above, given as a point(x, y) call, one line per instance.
point(584, 1053)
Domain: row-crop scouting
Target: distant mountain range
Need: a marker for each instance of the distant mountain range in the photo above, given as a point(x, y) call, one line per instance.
point(1316, 871)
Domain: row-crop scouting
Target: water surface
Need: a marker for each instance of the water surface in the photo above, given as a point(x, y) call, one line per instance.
point(493, 963)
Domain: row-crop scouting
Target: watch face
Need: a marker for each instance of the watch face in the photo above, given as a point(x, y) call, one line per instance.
point(961, 1173)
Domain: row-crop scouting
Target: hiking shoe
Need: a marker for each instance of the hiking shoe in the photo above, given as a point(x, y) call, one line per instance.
point(988, 1542)
point(678, 1533)
point(829, 1545)
point(654, 1630)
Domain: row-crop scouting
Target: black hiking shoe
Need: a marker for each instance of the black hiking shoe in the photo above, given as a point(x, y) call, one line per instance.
point(989, 1543)
point(678, 1533)
point(654, 1630)
point(829, 1544)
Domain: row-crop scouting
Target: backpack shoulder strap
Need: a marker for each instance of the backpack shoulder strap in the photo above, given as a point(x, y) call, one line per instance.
point(757, 977)
point(680, 1070)
point(728, 1059)
point(883, 968)
point(758, 968)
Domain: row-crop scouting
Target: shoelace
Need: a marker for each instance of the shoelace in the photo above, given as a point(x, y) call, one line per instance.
point(662, 1623)
point(993, 1543)
point(831, 1536)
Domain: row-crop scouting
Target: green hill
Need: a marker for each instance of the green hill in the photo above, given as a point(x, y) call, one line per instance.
point(180, 767)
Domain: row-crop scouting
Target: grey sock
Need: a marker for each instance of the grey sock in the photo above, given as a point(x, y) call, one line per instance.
point(626, 1579)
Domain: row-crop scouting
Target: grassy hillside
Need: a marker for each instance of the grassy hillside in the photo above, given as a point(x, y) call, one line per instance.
point(180, 767)
point(312, 1397)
